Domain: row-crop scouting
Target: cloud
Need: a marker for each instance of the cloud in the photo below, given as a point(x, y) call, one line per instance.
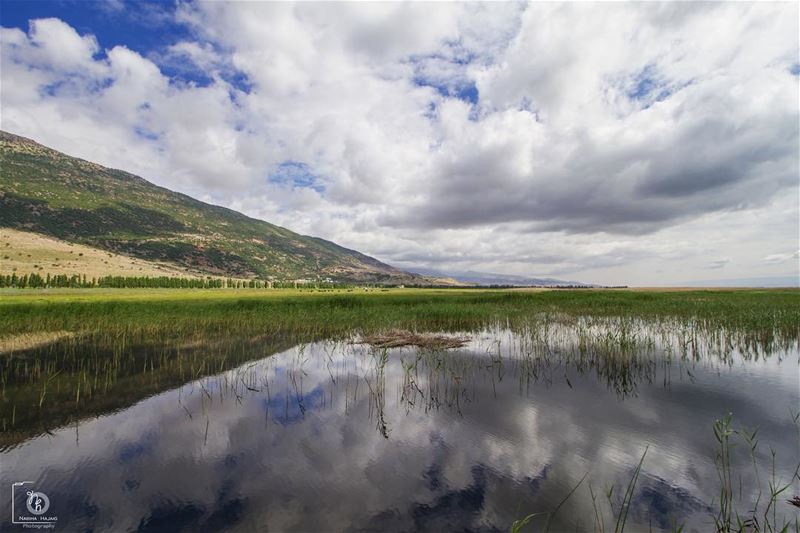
point(59, 46)
point(552, 130)
point(781, 258)
point(590, 161)
point(717, 263)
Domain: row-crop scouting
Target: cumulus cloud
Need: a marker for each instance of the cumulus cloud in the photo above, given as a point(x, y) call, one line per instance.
point(532, 139)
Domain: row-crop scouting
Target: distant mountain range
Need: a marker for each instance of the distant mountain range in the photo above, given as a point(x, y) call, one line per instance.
point(485, 278)
point(773, 281)
point(48, 192)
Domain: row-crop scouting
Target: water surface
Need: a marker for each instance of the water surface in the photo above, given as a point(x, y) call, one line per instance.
point(335, 435)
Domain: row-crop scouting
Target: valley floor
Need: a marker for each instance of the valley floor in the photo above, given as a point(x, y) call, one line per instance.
point(56, 295)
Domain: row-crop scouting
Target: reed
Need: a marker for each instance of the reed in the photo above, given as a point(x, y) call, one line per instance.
point(729, 517)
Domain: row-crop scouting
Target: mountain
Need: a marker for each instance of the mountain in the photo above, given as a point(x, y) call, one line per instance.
point(486, 278)
point(50, 193)
point(764, 282)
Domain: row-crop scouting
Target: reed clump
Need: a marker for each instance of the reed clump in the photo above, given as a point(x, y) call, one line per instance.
point(398, 338)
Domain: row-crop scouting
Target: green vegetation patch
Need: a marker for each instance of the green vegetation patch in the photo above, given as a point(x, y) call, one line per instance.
point(765, 311)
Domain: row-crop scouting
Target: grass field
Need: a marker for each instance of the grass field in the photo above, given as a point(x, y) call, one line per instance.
point(16, 296)
point(329, 311)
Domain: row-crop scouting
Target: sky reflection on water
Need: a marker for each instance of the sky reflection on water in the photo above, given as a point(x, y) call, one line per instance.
point(337, 436)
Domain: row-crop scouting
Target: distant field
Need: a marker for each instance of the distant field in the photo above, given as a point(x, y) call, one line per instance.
point(473, 295)
point(16, 296)
point(27, 253)
point(680, 296)
point(56, 295)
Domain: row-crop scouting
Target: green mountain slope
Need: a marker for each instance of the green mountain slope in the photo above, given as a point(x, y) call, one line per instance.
point(48, 192)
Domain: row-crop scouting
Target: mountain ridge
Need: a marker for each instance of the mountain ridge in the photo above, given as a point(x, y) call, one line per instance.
point(490, 278)
point(51, 193)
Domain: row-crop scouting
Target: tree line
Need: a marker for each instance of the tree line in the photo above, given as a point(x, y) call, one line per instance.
point(39, 281)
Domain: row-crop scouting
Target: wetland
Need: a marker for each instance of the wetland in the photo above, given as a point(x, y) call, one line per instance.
point(402, 410)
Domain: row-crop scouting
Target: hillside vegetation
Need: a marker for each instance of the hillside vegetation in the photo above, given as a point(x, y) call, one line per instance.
point(26, 252)
point(48, 192)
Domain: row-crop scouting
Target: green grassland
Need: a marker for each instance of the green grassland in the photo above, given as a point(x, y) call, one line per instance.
point(92, 310)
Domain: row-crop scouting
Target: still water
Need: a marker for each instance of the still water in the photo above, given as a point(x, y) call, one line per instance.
point(343, 436)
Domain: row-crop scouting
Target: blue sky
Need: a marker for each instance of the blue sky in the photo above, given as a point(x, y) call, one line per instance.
point(143, 26)
point(146, 27)
point(597, 142)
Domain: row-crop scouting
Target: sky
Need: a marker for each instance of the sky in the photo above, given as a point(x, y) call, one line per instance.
point(615, 143)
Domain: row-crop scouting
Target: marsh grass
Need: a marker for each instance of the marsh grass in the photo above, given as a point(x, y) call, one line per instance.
point(27, 341)
point(733, 514)
point(764, 515)
point(102, 354)
point(754, 319)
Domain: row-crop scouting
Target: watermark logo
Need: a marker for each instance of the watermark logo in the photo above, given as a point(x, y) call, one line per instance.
point(29, 507)
point(38, 503)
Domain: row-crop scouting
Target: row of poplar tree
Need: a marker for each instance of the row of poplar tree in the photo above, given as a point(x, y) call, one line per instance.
point(36, 280)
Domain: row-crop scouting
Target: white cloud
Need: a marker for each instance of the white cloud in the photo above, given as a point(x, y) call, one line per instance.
point(57, 45)
point(605, 140)
point(781, 258)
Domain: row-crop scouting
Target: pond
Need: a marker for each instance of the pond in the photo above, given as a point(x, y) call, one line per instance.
point(341, 435)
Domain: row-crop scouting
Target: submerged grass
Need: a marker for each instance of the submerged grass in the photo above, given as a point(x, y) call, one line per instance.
point(730, 514)
point(730, 517)
point(599, 525)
